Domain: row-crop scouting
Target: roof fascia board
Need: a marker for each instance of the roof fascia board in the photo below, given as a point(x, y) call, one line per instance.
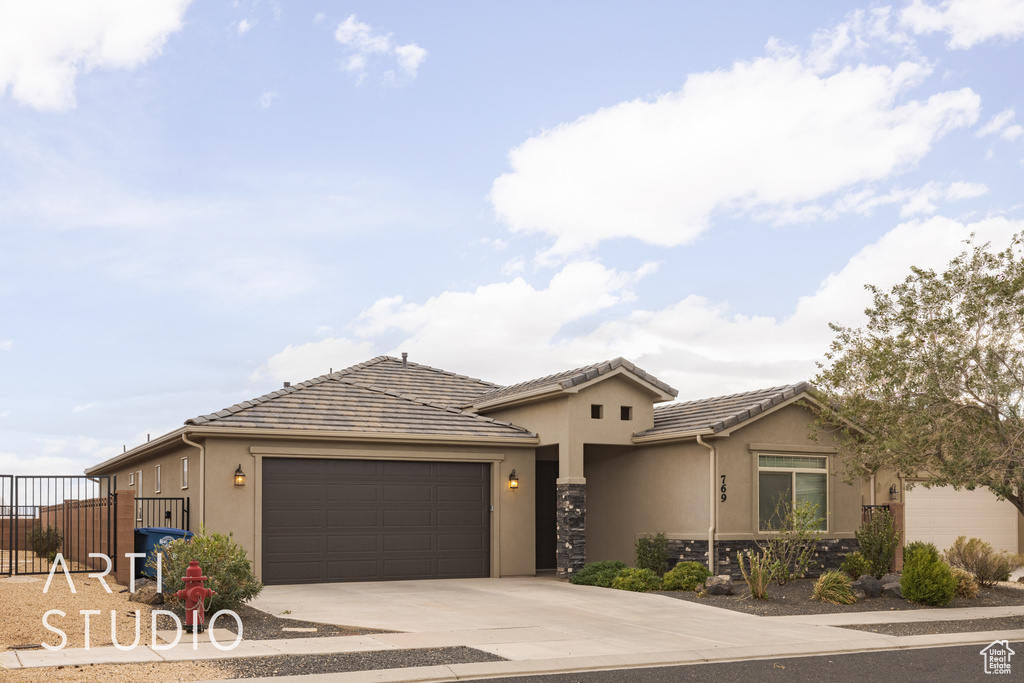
point(307, 434)
point(764, 413)
point(661, 395)
point(674, 436)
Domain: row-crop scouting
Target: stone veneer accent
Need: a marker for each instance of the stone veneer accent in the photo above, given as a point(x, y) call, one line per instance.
point(828, 555)
point(571, 552)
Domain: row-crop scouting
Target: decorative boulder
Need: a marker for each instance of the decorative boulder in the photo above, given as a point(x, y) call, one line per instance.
point(719, 585)
point(146, 593)
point(892, 590)
point(857, 593)
point(871, 586)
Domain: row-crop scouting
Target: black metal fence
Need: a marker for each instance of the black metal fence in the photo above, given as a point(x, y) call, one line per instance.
point(6, 523)
point(162, 512)
point(71, 515)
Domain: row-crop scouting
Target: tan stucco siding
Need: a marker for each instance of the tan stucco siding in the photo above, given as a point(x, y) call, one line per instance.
point(784, 431)
point(633, 491)
point(169, 461)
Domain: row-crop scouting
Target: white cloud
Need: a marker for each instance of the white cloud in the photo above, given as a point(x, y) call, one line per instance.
point(915, 201)
point(243, 27)
point(302, 362)
point(324, 330)
point(766, 133)
point(6, 345)
point(5, 413)
point(44, 44)
point(512, 331)
point(319, 17)
point(968, 22)
point(267, 98)
point(84, 407)
point(1000, 123)
point(360, 38)
point(513, 266)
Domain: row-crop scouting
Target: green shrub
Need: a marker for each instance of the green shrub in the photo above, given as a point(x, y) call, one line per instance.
point(878, 539)
point(639, 580)
point(652, 553)
point(833, 587)
point(762, 571)
point(966, 584)
point(598, 573)
point(793, 537)
point(685, 576)
point(45, 543)
point(220, 558)
point(926, 579)
point(977, 557)
point(855, 565)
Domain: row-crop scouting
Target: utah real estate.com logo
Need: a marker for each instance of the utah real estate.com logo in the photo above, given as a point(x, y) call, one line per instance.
point(997, 657)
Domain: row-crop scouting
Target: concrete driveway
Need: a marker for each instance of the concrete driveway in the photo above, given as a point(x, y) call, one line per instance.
point(542, 618)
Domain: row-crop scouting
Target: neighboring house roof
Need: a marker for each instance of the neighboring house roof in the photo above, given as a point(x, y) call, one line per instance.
point(713, 415)
point(351, 401)
point(567, 380)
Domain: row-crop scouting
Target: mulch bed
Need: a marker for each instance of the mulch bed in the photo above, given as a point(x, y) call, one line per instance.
point(295, 665)
point(795, 598)
point(257, 625)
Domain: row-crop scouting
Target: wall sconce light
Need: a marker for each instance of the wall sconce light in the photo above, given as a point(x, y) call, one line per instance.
point(239, 477)
point(894, 493)
point(513, 481)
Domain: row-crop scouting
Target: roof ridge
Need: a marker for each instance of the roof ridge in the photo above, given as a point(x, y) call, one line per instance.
point(442, 371)
point(804, 384)
point(580, 375)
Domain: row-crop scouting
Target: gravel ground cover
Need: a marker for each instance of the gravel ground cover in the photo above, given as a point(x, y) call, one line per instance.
point(930, 627)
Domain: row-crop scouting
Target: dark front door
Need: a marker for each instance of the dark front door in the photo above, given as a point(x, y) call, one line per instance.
point(547, 475)
point(330, 520)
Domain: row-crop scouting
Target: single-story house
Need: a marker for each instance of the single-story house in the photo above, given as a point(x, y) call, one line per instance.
point(394, 470)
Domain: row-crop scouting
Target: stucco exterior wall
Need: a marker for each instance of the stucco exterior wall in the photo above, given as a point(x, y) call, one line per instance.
point(169, 461)
point(783, 431)
point(636, 490)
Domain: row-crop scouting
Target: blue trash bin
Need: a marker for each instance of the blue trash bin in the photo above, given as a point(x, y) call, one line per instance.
point(148, 540)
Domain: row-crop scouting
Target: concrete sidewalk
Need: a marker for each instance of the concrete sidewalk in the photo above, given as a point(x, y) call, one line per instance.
point(540, 626)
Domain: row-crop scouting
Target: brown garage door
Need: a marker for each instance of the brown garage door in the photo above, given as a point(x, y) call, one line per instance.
point(372, 520)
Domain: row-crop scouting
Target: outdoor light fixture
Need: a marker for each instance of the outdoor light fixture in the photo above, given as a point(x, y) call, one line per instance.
point(239, 476)
point(513, 481)
point(894, 493)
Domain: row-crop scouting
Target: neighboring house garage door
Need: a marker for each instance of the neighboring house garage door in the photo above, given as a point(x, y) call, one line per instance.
point(940, 514)
point(370, 520)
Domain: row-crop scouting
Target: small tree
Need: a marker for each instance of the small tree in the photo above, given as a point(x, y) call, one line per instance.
point(878, 539)
point(936, 377)
point(792, 536)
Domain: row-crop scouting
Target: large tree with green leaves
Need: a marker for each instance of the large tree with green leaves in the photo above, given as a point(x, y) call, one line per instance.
point(935, 379)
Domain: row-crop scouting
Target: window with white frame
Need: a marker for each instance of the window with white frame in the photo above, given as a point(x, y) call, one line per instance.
point(785, 481)
point(184, 473)
point(157, 483)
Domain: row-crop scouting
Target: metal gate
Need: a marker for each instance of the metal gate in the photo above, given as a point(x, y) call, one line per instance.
point(162, 512)
point(6, 523)
point(48, 514)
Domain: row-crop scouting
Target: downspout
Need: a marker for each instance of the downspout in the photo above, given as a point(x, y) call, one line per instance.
point(202, 477)
point(711, 503)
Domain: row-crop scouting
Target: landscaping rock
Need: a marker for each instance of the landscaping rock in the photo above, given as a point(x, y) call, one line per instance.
point(719, 585)
point(146, 593)
point(892, 590)
point(871, 586)
point(858, 593)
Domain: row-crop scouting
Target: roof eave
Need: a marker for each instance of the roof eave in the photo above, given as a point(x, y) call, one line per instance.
point(139, 451)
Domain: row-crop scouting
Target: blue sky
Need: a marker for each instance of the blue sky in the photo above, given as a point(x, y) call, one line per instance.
point(200, 200)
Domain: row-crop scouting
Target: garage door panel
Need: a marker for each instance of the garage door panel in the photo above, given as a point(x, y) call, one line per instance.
point(374, 520)
point(460, 494)
point(352, 518)
point(406, 469)
point(340, 493)
point(941, 514)
point(418, 518)
point(402, 493)
point(460, 518)
point(293, 519)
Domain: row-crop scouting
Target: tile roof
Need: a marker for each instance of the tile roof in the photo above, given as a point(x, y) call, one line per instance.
point(719, 413)
point(571, 378)
point(417, 400)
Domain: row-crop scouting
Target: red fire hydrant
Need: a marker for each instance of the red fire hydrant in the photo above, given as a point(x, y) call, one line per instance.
point(193, 594)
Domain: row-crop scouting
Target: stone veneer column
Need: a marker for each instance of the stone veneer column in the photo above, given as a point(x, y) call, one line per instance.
point(572, 529)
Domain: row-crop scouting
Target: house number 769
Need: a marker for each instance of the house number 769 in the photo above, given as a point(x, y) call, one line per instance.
point(723, 489)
